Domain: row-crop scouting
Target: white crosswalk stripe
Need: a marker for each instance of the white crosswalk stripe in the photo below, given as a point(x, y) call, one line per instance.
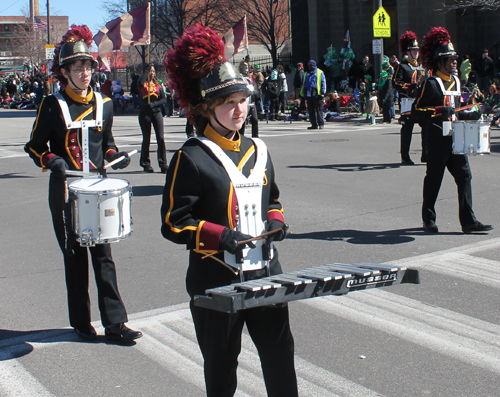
point(169, 339)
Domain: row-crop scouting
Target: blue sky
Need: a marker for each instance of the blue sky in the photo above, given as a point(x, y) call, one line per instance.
point(80, 12)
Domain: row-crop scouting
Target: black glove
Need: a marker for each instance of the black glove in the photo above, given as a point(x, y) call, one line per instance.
point(445, 112)
point(411, 89)
point(58, 166)
point(229, 240)
point(121, 164)
point(464, 115)
point(280, 235)
point(152, 105)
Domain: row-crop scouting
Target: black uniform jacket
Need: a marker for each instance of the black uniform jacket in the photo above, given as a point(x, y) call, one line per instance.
point(156, 94)
point(50, 136)
point(199, 202)
point(408, 77)
point(429, 96)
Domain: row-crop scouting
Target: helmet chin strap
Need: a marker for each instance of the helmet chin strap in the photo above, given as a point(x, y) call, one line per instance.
point(212, 113)
point(72, 82)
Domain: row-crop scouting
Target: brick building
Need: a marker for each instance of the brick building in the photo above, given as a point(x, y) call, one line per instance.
point(21, 45)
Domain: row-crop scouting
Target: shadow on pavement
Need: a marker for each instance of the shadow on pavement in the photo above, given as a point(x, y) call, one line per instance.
point(384, 237)
point(141, 191)
point(353, 167)
point(18, 113)
point(13, 175)
point(15, 344)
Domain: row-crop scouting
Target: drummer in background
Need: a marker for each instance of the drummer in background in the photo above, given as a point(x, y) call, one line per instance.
point(53, 147)
point(408, 76)
point(201, 210)
point(436, 102)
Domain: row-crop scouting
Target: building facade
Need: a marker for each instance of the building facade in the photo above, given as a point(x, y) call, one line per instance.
point(319, 24)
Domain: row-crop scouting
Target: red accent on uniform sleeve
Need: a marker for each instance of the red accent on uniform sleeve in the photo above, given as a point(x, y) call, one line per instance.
point(275, 215)
point(209, 236)
point(46, 157)
point(109, 152)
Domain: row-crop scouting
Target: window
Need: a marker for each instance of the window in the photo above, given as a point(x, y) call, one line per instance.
point(6, 28)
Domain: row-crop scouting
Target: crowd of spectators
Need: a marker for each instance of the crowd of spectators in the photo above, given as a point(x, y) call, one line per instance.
point(22, 91)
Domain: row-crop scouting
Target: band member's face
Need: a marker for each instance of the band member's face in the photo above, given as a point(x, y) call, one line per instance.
point(414, 54)
point(80, 73)
point(365, 60)
point(152, 71)
point(232, 113)
point(451, 65)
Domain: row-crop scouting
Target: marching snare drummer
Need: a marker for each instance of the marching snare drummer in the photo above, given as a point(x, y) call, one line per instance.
point(435, 104)
point(220, 190)
point(409, 75)
point(54, 147)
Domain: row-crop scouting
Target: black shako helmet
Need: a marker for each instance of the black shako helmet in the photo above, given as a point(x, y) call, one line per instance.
point(72, 51)
point(223, 80)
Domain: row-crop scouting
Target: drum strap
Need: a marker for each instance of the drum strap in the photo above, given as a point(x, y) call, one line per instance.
point(249, 194)
point(455, 93)
point(83, 124)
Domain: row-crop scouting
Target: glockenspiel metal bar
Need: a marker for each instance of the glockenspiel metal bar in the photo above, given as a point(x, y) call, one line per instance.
point(352, 269)
point(289, 279)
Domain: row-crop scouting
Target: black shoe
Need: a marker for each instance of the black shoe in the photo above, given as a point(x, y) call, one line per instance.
point(120, 332)
point(86, 333)
point(407, 162)
point(476, 227)
point(321, 127)
point(312, 128)
point(431, 227)
point(164, 169)
point(148, 169)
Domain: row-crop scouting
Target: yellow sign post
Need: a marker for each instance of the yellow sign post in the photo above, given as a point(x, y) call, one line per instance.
point(381, 23)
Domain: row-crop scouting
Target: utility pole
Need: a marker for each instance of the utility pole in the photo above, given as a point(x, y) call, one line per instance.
point(377, 58)
point(48, 22)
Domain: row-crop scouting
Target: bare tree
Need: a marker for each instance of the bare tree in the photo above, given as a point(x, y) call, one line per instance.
point(485, 5)
point(267, 23)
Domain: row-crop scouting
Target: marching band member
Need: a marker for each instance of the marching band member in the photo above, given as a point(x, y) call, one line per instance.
point(55, 147)
point(409, 75)
point(436, 102)
point(220, 190)
point(153, 98)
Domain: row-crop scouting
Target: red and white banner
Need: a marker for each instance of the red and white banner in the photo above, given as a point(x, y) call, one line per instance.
point(236, 38)
point(132, 28)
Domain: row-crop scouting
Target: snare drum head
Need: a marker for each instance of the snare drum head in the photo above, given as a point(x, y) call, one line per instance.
point(99, 185)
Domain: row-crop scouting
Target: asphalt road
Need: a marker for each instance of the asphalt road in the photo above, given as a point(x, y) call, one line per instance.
point(347, 199)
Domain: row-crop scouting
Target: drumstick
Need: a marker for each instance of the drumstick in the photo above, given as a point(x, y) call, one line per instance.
point(120, 159)
point(467, 107)
point(260, 237)
point(225, 264)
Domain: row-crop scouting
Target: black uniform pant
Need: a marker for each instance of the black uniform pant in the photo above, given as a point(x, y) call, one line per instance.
point(406, 133)
point(459, 168)
point(314, 107)
point(76, 268)
point(254, 121)
point(146, 118)
point(219, 337)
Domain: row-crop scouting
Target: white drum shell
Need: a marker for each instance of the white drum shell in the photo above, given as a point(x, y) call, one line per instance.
point(471, 137)
point(101, 210)
point(406, 104)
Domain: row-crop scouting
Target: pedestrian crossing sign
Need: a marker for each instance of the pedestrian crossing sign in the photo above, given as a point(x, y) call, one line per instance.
point(381, 23)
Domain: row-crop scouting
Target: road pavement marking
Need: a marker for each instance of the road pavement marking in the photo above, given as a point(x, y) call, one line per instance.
point(461, 337)
point(16, 381)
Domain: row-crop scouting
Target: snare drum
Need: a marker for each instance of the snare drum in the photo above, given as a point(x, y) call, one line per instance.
point(471, 137)
point(100, 210)
point(406, 104)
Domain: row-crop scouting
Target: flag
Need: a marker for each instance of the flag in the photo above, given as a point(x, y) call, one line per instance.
point(39, 24)
point(236, 38)
point(132, 28)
